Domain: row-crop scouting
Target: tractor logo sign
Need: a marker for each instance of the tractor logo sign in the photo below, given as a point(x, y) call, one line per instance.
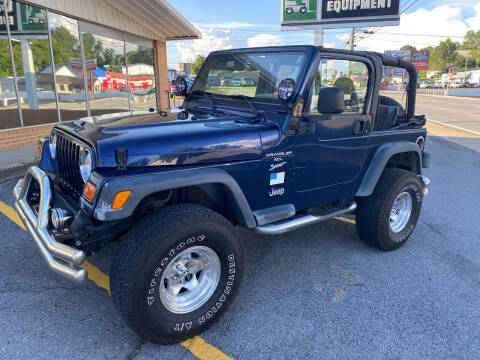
point(299, 10)
point(33, 18)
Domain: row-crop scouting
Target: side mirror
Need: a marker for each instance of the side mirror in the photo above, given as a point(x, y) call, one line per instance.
point(181, 86)
point(331, 100)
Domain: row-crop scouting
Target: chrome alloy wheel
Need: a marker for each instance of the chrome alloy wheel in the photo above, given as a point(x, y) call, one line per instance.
point(401, 212)
point(190, 279)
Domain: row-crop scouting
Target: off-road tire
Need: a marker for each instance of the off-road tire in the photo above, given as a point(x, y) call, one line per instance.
point(373, 212)
point(136, 270)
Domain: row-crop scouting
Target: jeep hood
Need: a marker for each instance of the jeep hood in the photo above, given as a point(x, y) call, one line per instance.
point(155, 140)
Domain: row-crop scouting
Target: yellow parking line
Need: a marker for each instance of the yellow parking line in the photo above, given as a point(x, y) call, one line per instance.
point(94, 273)
point(203, 350)
point(100, 279)
point(10, 213)
point(196, 345)
point(344, 219)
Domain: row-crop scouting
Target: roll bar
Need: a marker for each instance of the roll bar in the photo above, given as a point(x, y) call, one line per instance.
point(388, 60)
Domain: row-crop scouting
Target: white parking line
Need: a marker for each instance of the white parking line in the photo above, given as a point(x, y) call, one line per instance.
point(454, 126)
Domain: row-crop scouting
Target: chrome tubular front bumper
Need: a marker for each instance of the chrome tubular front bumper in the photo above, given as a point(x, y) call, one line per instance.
point(62, 259)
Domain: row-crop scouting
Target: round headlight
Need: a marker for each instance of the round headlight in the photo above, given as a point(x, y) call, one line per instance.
point(286, 88)
point(52, 142)
point(85, 164)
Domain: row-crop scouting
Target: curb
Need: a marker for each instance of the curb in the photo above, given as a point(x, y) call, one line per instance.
point(12, 171)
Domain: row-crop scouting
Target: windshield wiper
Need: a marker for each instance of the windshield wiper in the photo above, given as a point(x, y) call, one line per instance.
point(260, 114)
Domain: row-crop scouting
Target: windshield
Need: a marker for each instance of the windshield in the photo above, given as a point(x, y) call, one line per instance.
point(255, 75)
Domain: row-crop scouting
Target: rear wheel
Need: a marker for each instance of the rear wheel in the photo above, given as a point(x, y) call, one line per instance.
point(387, 218)
point(176, 272)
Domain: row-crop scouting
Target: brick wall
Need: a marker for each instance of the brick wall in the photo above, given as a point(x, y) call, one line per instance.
point(13, 138)
point(162, 75)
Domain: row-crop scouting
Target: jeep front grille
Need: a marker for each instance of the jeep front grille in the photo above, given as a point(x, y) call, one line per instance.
point(67, 155)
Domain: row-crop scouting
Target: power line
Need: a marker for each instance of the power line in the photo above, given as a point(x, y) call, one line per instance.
point(406, 6)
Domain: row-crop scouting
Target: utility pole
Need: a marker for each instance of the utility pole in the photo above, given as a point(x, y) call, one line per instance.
point(352, 46)
point(318, 37)
point(352, 36)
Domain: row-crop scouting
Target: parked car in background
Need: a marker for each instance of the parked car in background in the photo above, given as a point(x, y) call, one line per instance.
point(460, 85)
point(226, 81)
point(237, 82)
point(477, 85)
point(213, 82)
point(248, 82)
point(171, 86)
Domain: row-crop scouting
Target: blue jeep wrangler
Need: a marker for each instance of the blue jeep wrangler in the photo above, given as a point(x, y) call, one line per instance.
point(308, 139)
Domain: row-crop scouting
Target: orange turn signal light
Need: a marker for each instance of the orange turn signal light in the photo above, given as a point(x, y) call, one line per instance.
point(120, 199)
point(89, 190)
point(38, 150)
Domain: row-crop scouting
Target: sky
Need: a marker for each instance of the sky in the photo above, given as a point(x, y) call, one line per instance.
point(233, 24)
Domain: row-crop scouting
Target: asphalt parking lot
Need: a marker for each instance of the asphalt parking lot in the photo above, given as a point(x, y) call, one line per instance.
point(315, 293)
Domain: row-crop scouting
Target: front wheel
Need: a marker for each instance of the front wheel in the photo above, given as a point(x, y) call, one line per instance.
point(387, 218)
point(176, 272)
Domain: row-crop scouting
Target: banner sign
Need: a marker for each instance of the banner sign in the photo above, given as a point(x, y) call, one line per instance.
point(419, 59)
point(23, 18)
point(90, 65)
point(299, 10)
point(395, 71)
point(76, 63)
point(11, 16)
point(32, 19)
point(311, 14)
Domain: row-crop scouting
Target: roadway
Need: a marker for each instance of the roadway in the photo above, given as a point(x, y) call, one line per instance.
point(315, 293)
point(455, 111)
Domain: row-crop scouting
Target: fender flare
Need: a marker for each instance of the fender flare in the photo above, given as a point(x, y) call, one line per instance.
point(380, 160)
point(147, 184)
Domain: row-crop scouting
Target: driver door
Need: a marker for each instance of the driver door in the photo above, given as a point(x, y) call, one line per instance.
point(330, 159)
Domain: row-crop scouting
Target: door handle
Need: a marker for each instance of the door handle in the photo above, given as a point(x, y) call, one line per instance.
point(359, 126)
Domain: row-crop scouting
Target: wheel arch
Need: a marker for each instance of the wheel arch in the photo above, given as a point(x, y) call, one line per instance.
point(403, 154)
point(216, 183)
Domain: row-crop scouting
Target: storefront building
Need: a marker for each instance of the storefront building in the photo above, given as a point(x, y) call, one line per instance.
point(62, 60)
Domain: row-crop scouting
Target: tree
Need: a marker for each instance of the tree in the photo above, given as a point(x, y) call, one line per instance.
point(444, 55)
point(64, 45)
point(141, 55)
point(93, 48)
point(472, 43)
point(197, 64)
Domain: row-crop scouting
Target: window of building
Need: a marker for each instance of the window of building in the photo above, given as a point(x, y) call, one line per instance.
point(106, 74)
point(9, 116)
point(141, 76)
point(67, 57)
point(58, 76)
point(350, 76)
point(32, 57)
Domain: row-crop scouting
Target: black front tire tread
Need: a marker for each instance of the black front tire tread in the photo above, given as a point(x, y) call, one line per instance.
point(137, 241)
point(371, 210)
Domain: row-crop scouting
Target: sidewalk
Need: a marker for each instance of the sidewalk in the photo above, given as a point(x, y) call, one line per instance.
point(14, 162)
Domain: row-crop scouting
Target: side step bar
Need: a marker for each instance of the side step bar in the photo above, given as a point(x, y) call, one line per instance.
point(299, 222)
